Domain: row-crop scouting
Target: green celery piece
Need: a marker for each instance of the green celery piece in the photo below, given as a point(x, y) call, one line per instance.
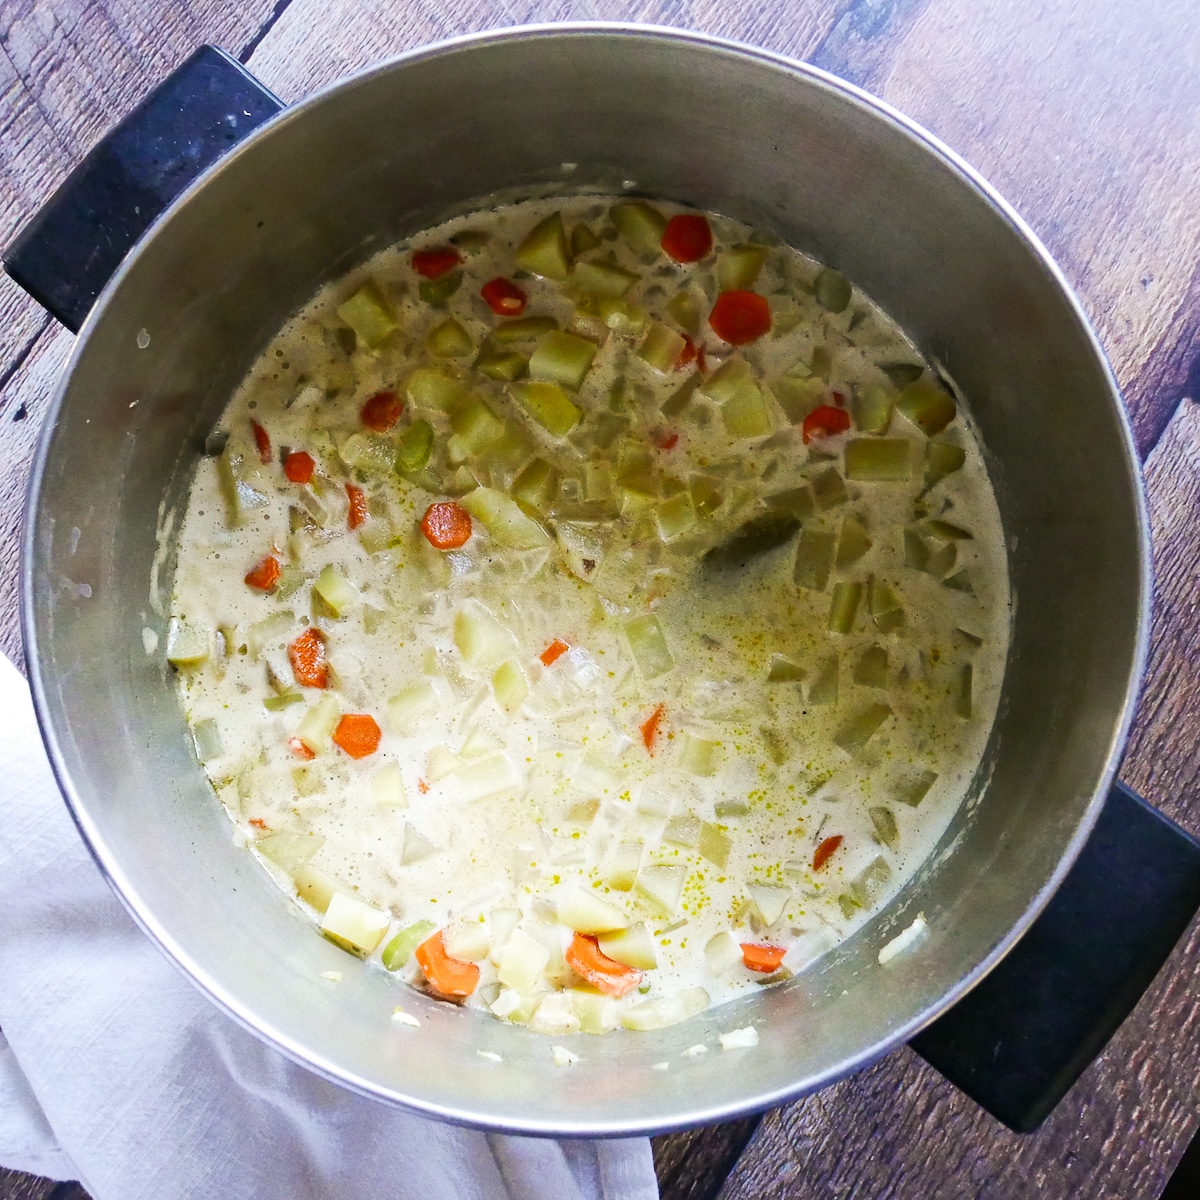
point(928, 406)
point(683, 309)
point(738, 266)
point(872, 408)
point(400, 949)
point(563, 359)
point(416, 446)
point(757, 536)
point(814, 559)
point(583, 240)
point(227, 480)
point(429, 387)
point(853, 543)
point(649, 646)
point(544, 250)
point(878, 459)
point(535, 486)
point(824, 689)
point(522, 329)
point(438, 291)
point(828, 488)
point(601, 278)
point(884, 821)
point(661, 348)
point(506, 366)
point(449, 340)
point(871, 670)
point(844, 606)
point(283, 700)
point(798, 501)
point(797, 397)
point(640, 226)
point(833, 290)
point(853, 735)
point(942, 459)
point(962, 694)
point(902, 374)
point(913, 792)
point(368, 314)
point(548, 405)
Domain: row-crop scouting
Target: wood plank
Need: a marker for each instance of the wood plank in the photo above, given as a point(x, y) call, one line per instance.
point(899, 1130)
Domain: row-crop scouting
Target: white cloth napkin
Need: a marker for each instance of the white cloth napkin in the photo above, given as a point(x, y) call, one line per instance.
point(115, 1071)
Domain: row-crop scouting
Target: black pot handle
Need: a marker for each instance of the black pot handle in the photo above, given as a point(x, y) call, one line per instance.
point(75, 242)
point(1018, 1041)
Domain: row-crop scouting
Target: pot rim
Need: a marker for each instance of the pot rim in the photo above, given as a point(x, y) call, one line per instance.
point(692, 1112)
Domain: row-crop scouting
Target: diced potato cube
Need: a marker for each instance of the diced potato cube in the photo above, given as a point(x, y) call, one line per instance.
point(317, 725)
point(928, 406)
point(289, 851)
point(586, 912)
point(666, 1010)
point(336, 591)
point(698, 756)
point(854, 734)
point(315, 886)
point(769, 902)
point(562, 358)
point(738, 267)
point(675, 516)
point(487, 776)
point(661, 348)
point(510, 686)
point(878, 459)
point(633, 946)
point(522, 962)
point(663, 885)
point(387, 787)
point(544, 250)
point(188, 643)
point(723, 953)
point(368, 314)
point(600, 278)
point(409, 709)
point(431, 388)
point(640, 226)
point(548, 405)
point(469, 941)
point(620, 872)
point(353, 924)
point(481, 639)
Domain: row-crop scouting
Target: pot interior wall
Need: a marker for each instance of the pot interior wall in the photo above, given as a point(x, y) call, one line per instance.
point(379, 157)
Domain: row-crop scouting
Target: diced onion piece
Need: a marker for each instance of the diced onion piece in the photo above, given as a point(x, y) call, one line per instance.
point(872, 408)
point(270, 630)
point(886, 607)
point(400, 949)
point(510, 686)
point(714, 843)
point(928, 406)
point(633, 946)
point(430, 388)
point(853, 542)
point(884, 821)
point(487, 776)
point(318, 723)
point(768, 901)
point(906, 938)
point(469, 941)
point(535, 485)
point(649, 646)
point(503, 519)
point(586, 912)
point(739, 1039)
point(555, 1015)
point(871, 670)
point(666, 1010)
point(915, 791)
point(387, 787)
point(683, 830)
point(336, 591)
point(522, 962)
point(440, 763)
point(620, 872)
point(783, 670)
point(289, 851)
point(661, 348)
point(698, 756)
point(962, 693)
point(368, 452)
point(942, 459)
point(506, 366)
point(353, 924)
point(878, 459)
point(548, 405)
point(563, 359)
point(723, 953)
point(814, 559)
point(797, 397)
point(449, 340)
point(501, 923)
point(738, 266)
point(416, 846)
point(855, 733)
point(315, 886)
point(662, 885)
point(510, 1005)
point(829, 489)
point(368, 314)
point(207, 739)
point(481, 639)
point(844, 606)
point(675, 516)
point(824, 689)
point(409, 708)
point(188, 643)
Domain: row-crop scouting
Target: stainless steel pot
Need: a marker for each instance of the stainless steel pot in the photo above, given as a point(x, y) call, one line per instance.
point(727, 128)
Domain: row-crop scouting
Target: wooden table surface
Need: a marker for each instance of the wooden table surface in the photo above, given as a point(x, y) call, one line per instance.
point(1086, 115)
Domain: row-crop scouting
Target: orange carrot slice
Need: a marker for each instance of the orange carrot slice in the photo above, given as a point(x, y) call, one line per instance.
point(299, 466)
point(826, 850)
point(553, 652)
point(587, 960)
point(447, 976)
point(265, 576)
point(358, 734)
point(262, 439)
point(447, 525)
point(649, 727)
point(358, 505)
point(764, 959)
point(309, 662)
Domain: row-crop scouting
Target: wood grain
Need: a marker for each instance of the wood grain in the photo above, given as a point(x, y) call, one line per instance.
point(1087, 118)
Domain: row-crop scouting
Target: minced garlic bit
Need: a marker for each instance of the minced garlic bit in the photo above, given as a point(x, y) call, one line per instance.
point(563, 1057)
point(149, 639)
point(696, 1050)
point(490, 1055)
point(903, 940)
point(332, 976)
point(662, 1066)
point(398, 1014)
point(739, 1039)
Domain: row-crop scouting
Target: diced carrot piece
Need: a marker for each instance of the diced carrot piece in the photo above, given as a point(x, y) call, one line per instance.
point(649, 727)
point(299, 466)
point(300, 750)
point(358, 505)
point(435, 262)
point(665, 439)
point(382, 411)
point(762, 958)
point(422, 787)
point(826, 850)
point(687, 354)
point(309, 662)
point(587, 960)
point(358, 734)
point(503, 297)
point(264, 576)
point(824, 421)
point(740, 317)
point(447, 976)
point(447, 525)
point(262, 439)
point(553, 652)
point(687, 238)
